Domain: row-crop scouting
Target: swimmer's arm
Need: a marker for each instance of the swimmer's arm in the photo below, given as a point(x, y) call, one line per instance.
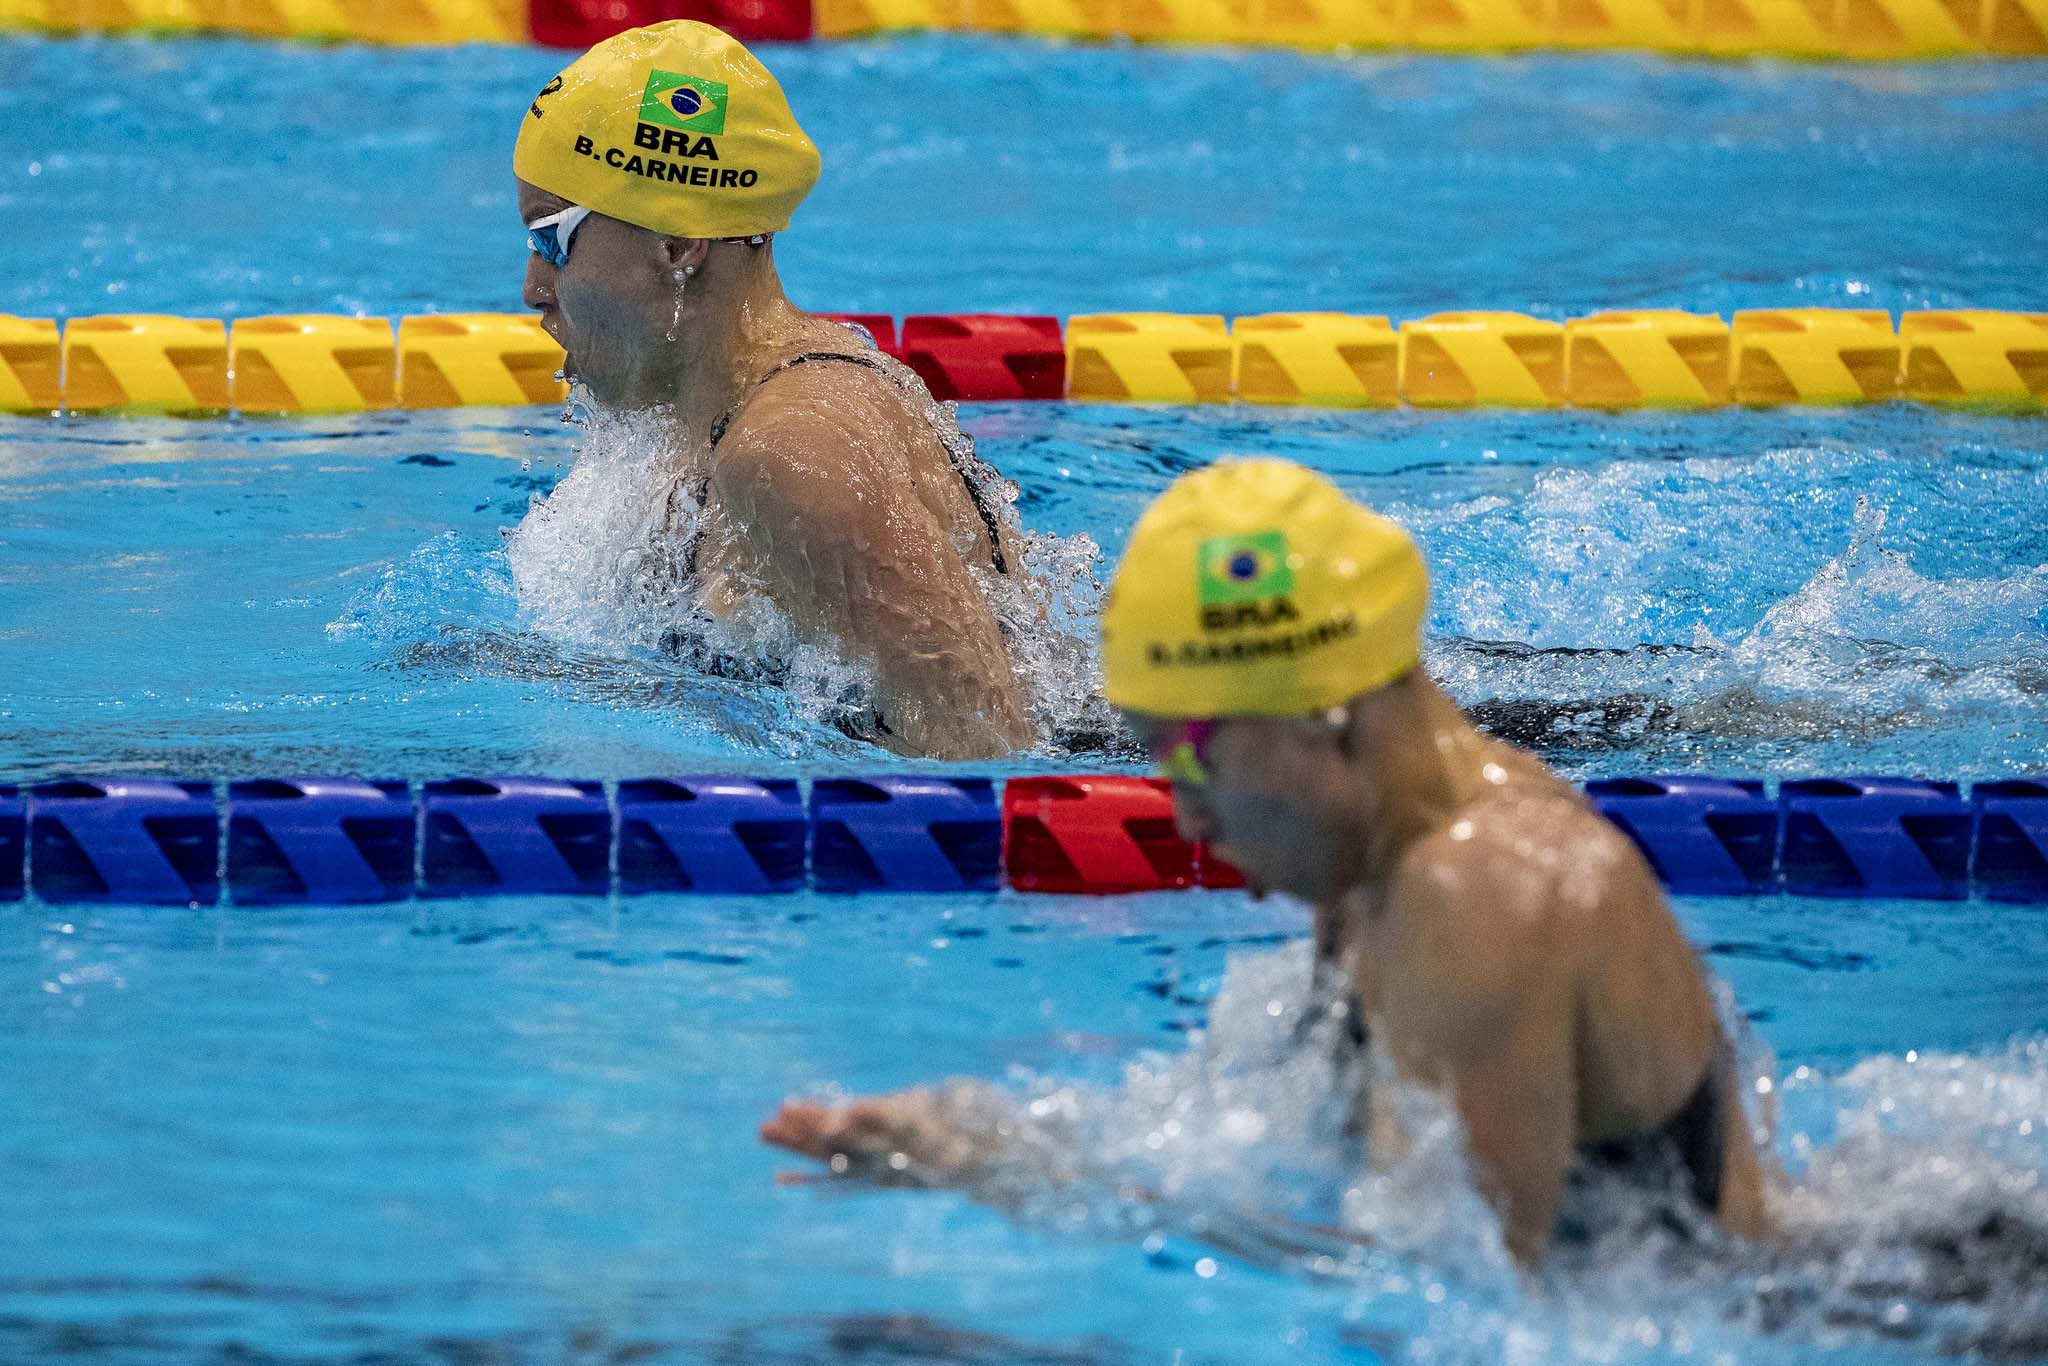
point(963, 1136)
point(1480, 1003)
point(849, 554)
point(957, 1134)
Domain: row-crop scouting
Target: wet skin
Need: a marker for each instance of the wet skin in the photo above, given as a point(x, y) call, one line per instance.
point(1501, 940)
point(829, 495)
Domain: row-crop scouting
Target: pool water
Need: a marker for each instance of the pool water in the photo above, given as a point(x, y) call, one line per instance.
point(235, 599)
point(523, 1129)
point(983, 174)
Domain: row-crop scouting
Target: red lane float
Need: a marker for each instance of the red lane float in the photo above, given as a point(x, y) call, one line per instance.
point(986, 357)
point(772, 21)
point(1100, 834)
point(584, 23)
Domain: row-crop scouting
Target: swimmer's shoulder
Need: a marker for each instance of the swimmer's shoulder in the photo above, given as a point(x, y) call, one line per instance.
point(1480, 926)
point(1465, 944)
point(833, 413)
point(812, 417)
point(1520, 860)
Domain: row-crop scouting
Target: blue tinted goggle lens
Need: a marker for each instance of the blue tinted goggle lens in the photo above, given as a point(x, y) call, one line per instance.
point(550, 238)
point(547, 245)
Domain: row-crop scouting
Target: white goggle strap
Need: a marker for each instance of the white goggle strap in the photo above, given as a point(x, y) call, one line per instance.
point(564, 223)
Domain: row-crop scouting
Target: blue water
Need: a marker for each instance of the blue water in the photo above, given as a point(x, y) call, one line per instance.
point(217, 178)
point(524, 1130)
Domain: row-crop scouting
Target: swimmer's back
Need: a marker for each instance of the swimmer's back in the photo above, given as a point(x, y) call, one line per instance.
point(833, 494)
point(1651, 1065)
point(885, 412)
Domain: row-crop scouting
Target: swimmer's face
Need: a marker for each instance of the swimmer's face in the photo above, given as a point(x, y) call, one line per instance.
point(1270, 802)
point(614, 307)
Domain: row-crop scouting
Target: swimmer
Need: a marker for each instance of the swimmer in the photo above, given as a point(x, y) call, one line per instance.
point(813, 471)
point(1472, 913)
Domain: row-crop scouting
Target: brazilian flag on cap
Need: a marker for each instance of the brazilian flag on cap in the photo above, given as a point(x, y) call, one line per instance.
point(691, 103)
point(1247, 568)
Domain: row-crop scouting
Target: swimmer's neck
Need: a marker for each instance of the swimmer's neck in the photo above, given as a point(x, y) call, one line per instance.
point(733, 324)
point(1415, 762)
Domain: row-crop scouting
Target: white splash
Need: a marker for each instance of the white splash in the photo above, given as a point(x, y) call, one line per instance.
point(599, 564)
point(592, 562)
point(1916, 1223)
point(1579, 651)
point(1870, 629)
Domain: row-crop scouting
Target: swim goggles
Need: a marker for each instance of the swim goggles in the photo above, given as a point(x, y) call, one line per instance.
point(1183, 755)
point(549, 237)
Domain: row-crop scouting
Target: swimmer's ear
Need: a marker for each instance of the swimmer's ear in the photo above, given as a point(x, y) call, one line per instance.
point(1343, 723)
point(684, 253)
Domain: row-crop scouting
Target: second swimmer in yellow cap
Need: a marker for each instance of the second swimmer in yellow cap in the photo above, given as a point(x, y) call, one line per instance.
point(1505, 943)
point(1472, 913)
point(809, 469)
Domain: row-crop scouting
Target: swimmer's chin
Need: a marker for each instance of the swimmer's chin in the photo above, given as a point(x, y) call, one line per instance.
point(1255, 886)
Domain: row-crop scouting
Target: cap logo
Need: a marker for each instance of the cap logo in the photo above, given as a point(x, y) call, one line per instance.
point(1247, 568)
point(690, 103)
point(550, 88)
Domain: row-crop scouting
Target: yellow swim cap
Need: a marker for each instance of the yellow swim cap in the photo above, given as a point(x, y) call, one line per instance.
point(1256, 588)
point(674, 127)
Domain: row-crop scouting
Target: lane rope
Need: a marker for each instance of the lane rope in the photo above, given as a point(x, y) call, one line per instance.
point(343, 840)
point(1864, 29)
point(1643, 358)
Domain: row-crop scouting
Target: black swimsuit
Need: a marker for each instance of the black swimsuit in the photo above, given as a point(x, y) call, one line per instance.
point(1694, 1135)
point(1690, 1140)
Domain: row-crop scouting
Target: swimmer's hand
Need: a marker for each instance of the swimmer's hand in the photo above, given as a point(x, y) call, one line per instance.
point(950, 1136)
point(896, 1140)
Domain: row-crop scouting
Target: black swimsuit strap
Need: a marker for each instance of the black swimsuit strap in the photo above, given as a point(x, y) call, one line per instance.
point(718, 429)
point(851, 358)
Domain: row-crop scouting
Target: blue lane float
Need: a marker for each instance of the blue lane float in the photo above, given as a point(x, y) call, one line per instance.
point(320, 841)
point(2011, 862)
point(124, 839)
point(342, 840)
point(13, 843)
point(508, 836)
point(1876, 836)
point(1704, 836)
point(906, 834)
point(743, 836)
